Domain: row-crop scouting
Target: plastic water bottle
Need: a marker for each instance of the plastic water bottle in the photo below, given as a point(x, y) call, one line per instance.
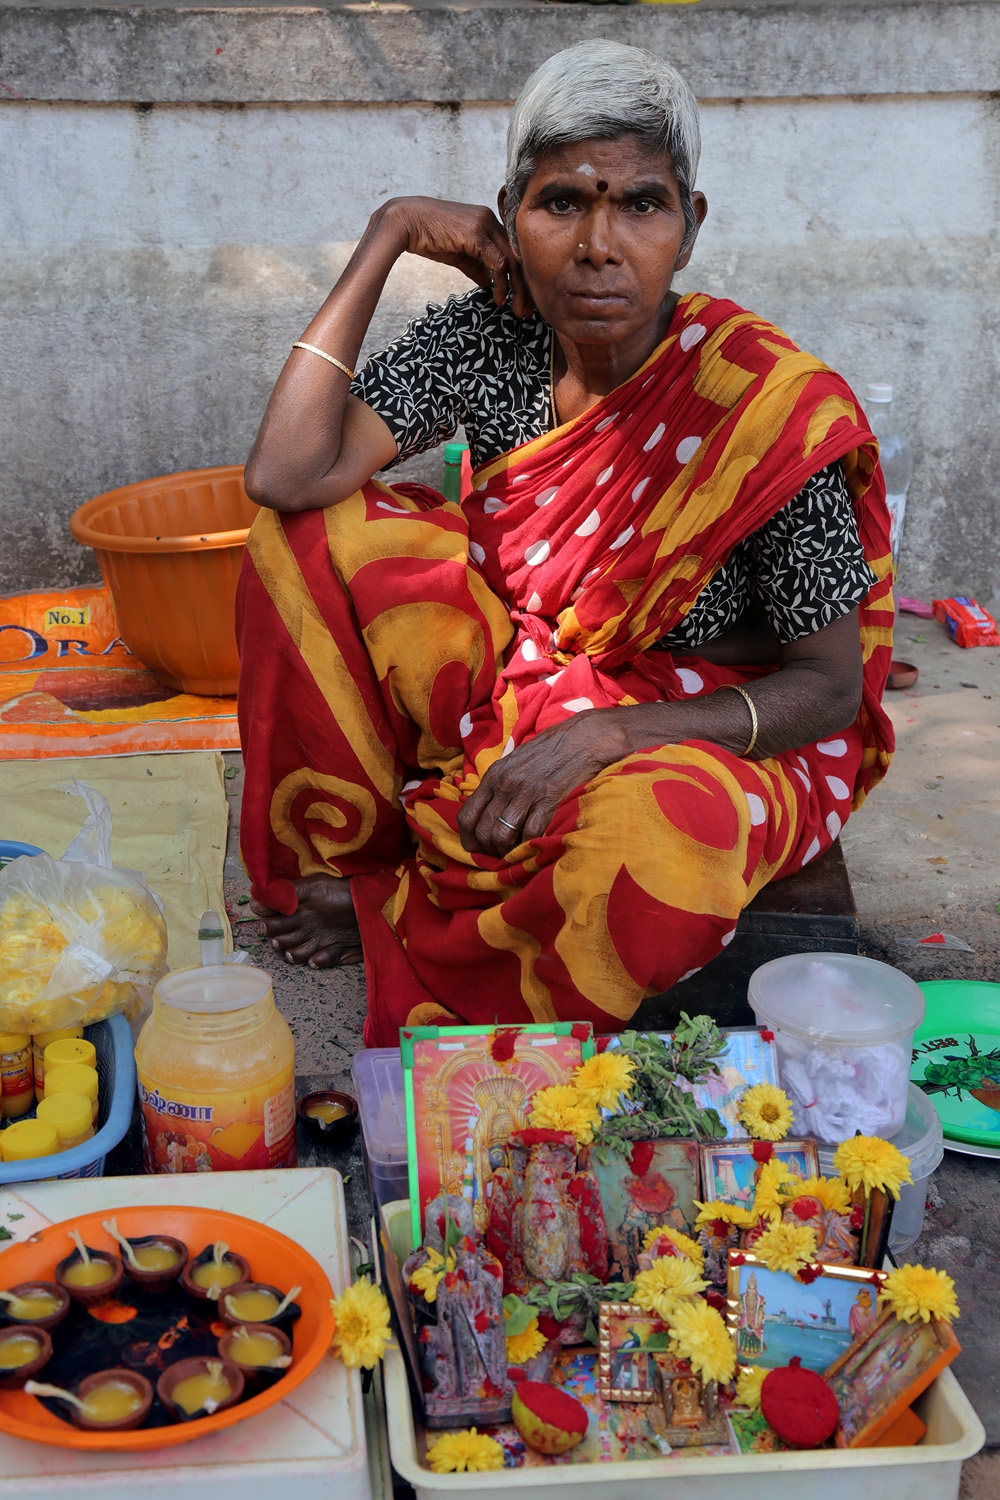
point(897, 460)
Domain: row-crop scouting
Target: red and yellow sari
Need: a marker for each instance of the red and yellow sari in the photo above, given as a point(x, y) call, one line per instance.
point(395, 645)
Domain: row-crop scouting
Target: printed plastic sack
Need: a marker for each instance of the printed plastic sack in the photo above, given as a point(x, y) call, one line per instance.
point(966, 622)
point(79, 940)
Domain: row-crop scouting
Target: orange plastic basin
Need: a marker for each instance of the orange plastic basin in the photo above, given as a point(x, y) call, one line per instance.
point(170, 551)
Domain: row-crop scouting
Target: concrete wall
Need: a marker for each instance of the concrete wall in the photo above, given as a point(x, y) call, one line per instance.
point(158, 258)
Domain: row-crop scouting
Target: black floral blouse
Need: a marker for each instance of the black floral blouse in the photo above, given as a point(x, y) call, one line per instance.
point(475, 365)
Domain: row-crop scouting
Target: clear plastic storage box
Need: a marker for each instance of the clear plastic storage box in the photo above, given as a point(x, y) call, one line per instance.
point(378, 1083)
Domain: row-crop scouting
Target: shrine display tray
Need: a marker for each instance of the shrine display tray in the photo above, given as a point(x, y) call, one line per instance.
point(931, 1470)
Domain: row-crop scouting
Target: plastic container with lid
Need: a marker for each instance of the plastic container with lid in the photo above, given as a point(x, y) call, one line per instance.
point(39, 1042)
point(71, 1116)
point(27, 1139)
point(843, 1026)
point(216, 1065)
point(69, 1049)
point(74, 1078)
point(378, 1084)
point(921, 1139)
point(17, 1078)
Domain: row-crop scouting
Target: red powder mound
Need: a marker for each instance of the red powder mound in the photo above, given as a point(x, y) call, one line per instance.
point(581, 1031)
point(762, 1151)
point(553, 1406)
point(652, 1193)
point(642, 1155)
point(799, 1405)
point(502, 1045)
point(540, 1137)
point(806, 1208)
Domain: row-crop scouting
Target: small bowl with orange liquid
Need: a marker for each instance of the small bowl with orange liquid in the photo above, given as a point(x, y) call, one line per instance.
point(199, 1387)
point(160, 1260)
point(24, 1350)
point(40, 1303)
point(91, 1279)
point(208, 1272)
point(262, 1351)
point(115, 1400)
point(257, 1303)
point(327, 1113)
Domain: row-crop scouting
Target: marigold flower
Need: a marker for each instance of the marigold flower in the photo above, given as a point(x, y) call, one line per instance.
point(468, 1451)
point(768, 1198)
point(524, 1346)
point(362, 1325)
point(869, 1163)
point(667, 1282)
point(683, 1243)
point(786, 1247)
point(699, 1335)
point(427, 1277)
point(766, 1111)
point(603, 1078)
point(562, 1107)
point(914, 1292)
point(722, 1213)
point(748, 1386)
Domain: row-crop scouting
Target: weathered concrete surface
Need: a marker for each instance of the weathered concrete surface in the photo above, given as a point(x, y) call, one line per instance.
point(161, 53)
point(156, 264)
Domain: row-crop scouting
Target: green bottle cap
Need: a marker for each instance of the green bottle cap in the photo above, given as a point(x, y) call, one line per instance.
point(453, 452)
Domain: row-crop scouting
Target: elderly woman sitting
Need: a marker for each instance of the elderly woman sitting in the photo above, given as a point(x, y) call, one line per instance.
point(532, 755)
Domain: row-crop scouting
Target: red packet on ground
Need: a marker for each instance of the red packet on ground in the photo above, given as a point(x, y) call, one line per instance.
point(967, 622)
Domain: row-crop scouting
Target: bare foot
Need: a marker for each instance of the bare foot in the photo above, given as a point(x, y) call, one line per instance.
point(323, 932)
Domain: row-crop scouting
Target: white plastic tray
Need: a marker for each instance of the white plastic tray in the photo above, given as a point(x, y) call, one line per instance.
point(931, 1470)
point(308, 1447)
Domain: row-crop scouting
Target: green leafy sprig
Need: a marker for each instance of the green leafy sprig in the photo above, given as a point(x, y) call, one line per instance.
point(662, 1103)
point(579, 1297)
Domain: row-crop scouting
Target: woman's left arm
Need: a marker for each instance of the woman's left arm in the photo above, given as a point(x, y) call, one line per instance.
point(815, 694)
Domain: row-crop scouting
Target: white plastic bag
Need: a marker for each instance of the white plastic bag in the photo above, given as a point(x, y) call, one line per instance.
point(79, 940)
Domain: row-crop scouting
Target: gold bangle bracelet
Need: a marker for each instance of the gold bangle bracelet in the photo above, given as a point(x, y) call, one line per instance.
point(753, 716)
point(323, 355)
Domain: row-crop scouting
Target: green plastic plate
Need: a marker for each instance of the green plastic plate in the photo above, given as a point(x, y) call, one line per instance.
point(956, 1058)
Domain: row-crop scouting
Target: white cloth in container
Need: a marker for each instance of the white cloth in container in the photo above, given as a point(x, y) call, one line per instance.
point(838, 1090)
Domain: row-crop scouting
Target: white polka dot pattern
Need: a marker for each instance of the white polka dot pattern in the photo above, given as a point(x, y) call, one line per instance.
point(693, 334)
point(691, 681)
point(832, 747)
point(839, 788)
point(653, 438)
point(477, 553)
point(535, 553)
point(758, 812)
point(590, 525)
point(687, 448)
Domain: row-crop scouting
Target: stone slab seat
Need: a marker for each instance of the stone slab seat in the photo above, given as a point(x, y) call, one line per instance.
point(810, 912)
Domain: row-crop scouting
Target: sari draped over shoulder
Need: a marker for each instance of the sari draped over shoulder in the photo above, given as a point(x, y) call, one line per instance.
point(395, 645)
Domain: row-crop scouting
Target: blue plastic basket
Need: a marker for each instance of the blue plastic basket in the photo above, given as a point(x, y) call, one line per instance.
point(11, 849)
point(116, 1071)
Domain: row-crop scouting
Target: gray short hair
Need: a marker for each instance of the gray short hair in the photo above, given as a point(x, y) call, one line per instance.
point(600, 90)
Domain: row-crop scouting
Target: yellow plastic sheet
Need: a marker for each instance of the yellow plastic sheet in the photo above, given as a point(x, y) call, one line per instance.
point(169, 822)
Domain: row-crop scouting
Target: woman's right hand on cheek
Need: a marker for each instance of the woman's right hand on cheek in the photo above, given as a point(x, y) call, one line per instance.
point(468, 236)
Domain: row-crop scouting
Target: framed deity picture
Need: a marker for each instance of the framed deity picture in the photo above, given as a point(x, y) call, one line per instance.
point(630, 1341)
point(729, 1171)
point(772, 1316)
point(657, 1183)
point(466, 1088)
point(879, 1377)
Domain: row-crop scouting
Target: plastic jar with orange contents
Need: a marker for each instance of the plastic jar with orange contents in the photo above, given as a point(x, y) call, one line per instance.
point(17, 1078)
point(216, 1064)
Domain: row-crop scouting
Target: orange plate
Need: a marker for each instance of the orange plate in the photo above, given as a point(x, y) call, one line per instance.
point(273, 1257)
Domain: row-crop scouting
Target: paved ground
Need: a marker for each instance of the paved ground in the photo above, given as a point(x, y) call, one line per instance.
point(922, 856)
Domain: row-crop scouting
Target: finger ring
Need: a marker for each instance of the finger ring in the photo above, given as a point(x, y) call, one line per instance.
point(514, 827)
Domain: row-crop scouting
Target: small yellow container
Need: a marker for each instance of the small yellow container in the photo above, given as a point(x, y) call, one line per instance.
point(17, 1082)
point(27, 1139)
point(39, 1042)
point(69, 1050)
point(70, 1114)
point(73, 1078)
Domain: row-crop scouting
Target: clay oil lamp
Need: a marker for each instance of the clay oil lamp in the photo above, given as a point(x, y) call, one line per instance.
point(110, 1401)
point(262, 1352)
point(40, 1303)
point(327, 1114)
point(24, 1350)
point(90, 1276)
point(215, 1271)
point(194, 1388)
point(256, 1302)
point(153, 1262)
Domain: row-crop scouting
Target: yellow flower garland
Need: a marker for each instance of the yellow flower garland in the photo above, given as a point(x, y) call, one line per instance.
point(524, 1346)
point(914, 1292)
point(362, 1325)
point(603, 1078)
point(684, 1243)
point(699, 1335)
point(462, 1452)
point(786, 1247)
point(562, 1107)
point(669, 1280)
point(869, 1163)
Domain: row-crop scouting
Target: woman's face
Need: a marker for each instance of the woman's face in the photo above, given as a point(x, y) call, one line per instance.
point(599, 234)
